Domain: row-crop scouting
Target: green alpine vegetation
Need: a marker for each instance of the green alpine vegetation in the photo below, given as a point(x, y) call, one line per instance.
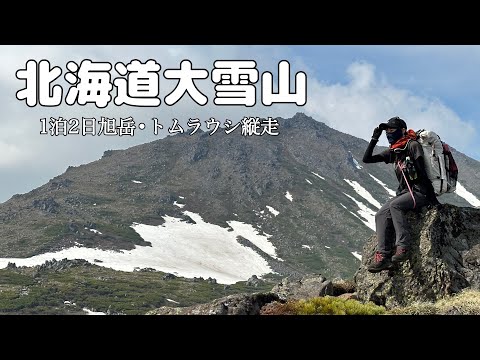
point(67, 291)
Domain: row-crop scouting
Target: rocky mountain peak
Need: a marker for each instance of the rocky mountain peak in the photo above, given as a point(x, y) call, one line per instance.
point(300, 121)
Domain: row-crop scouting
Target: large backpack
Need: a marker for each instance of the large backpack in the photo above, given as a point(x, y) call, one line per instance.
point(439, 163)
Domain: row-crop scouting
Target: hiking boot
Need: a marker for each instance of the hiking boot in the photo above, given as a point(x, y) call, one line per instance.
point(380, 262)
point(400, 255)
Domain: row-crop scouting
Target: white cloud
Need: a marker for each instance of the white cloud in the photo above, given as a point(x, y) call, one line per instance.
point(11, 154)
point(362, 76)
point(366, 100)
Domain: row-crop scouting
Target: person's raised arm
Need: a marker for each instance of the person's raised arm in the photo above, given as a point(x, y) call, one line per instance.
point(368, 157)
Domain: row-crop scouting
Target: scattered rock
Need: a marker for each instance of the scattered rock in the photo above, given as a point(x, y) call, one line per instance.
point(341, 286)
point(240, 304)
point(48, 205)
point(254, 281)
point(348, 296)
point(187, 219)
point(307, 287)
point(61, 265)
point(167, 199)
point(73, 227)
point(61, 183)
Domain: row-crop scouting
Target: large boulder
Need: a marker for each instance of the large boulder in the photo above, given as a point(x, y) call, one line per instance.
point(307, 287)
point(445, 258)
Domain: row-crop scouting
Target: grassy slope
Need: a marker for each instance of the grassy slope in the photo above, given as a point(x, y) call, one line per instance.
point(27, 291)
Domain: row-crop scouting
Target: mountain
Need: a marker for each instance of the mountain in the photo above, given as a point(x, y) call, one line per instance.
point(224, 205)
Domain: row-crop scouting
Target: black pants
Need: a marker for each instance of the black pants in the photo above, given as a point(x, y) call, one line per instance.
point(391, 216)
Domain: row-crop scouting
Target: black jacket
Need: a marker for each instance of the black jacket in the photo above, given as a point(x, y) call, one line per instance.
point(414, 151)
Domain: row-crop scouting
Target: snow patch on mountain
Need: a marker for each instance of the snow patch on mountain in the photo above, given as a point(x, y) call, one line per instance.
point(272, 210)
point(321, 177)
point(289, 196)
point(367, 216)
point(390, 191)
point(467, 195)
point(190, 250)
point(363, 193)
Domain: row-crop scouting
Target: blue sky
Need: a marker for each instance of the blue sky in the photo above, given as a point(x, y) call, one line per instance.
point(350, 88)
point(450, 73)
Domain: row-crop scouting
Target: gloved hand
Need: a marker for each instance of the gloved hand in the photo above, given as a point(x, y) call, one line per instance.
point(376, 133)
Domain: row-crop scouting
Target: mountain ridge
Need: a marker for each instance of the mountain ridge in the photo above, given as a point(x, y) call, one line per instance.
point(300, 190)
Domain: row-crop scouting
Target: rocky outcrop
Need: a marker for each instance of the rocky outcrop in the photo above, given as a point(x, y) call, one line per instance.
point(254, 281)
point(445, 258)
point(48, 205)
point(169, 276)
point(253, 304)
point(59, 265)
point(241, 304)
point(307, 287)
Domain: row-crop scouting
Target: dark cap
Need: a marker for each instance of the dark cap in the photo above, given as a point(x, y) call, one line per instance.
point(394, 122)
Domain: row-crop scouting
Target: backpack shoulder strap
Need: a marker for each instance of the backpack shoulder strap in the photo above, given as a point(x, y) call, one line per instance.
point(410, 143)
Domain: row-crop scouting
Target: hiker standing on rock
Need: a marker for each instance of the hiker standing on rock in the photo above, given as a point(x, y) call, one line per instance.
point(414, 191)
